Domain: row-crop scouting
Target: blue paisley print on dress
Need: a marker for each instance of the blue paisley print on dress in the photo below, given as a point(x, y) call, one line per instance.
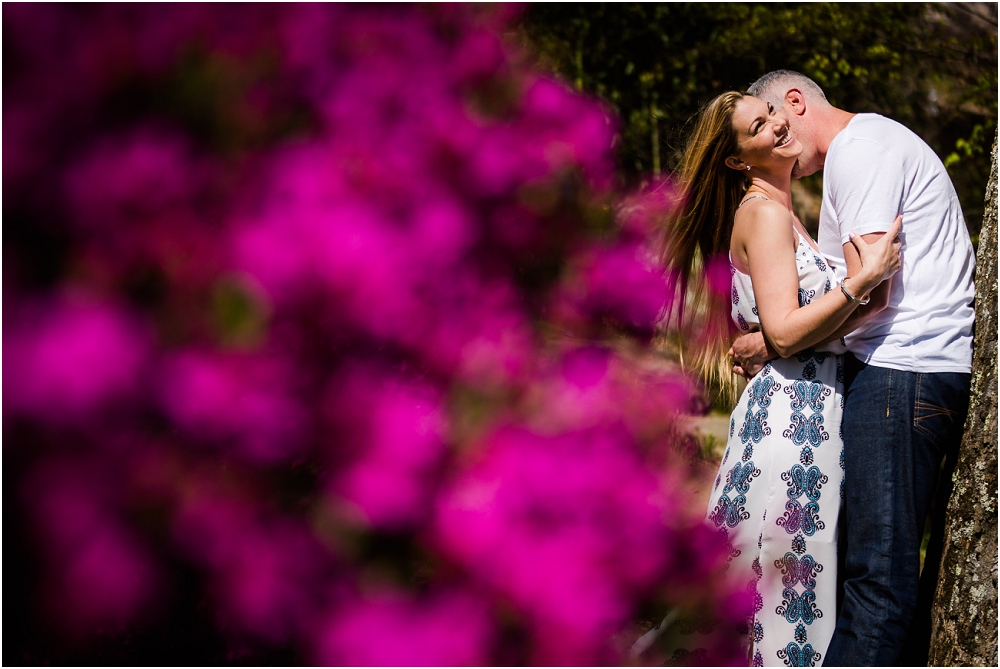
point(771, 503)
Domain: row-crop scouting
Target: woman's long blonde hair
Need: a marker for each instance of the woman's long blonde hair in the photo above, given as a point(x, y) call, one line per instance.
point(699, 231)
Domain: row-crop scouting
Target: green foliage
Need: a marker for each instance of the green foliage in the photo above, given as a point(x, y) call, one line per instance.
point(931, 66)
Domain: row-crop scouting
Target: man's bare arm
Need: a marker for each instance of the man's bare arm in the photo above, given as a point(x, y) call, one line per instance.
point(750, 352)
point(879, 295)
point(863, 314)
point(851, 257)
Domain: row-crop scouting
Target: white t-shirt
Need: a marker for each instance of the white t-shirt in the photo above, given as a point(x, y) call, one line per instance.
point(876, 168)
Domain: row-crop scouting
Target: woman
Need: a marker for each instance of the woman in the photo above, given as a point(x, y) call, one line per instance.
point(778, 492)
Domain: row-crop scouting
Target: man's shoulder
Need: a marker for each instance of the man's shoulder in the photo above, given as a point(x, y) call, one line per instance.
point(870, 124)
point(874, 130)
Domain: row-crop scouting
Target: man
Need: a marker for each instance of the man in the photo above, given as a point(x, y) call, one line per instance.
point(907, 376)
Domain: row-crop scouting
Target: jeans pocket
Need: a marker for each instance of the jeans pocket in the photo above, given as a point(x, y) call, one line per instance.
point(932, 419)
point(927, 417)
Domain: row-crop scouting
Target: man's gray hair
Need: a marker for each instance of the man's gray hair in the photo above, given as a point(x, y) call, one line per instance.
point(772, 87)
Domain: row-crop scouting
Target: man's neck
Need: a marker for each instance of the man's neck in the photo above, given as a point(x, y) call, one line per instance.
point(829, 122)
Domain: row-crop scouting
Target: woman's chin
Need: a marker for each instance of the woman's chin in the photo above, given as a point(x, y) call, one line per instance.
point(790, 151)
point(783, 161)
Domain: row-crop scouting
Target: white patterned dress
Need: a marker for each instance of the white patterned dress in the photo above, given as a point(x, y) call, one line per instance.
point(779, 489)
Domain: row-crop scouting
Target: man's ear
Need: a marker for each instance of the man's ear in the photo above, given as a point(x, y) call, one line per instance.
point(795, 102)
point(734, 163)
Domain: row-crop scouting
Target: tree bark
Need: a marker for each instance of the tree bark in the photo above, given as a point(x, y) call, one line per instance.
point(964, 617)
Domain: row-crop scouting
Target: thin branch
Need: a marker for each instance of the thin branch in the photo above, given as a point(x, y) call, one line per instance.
point(967, 8)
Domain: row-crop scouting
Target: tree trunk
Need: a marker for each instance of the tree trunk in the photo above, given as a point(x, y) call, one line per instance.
point(964, 616)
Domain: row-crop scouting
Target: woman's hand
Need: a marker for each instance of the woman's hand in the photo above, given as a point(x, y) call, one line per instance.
point(879, 260)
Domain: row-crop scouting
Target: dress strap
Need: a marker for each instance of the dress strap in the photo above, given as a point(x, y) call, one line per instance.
point(752, 197)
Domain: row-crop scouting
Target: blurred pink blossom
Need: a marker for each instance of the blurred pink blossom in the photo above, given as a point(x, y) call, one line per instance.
point(71, 359)
point(262, 569)
point(622, 281)
point(539, 520)
point(246, 400)
point(718, 275)
point(400, 427)
point(430, 451)
point(392, 629)
point(98, 573)
point(127, 179)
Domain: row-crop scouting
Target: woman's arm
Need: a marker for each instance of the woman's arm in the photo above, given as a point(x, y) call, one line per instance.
point(863, 314)
point(751, 351)
point(764, 232)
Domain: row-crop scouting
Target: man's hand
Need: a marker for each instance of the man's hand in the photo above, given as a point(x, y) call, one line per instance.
point(749, 353)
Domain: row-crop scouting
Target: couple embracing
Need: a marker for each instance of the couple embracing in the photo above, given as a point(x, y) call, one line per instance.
point(858, 352)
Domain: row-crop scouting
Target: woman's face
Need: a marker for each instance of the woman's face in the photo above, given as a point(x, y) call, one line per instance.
point(762, 134)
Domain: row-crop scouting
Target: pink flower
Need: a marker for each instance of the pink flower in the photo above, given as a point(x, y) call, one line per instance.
point(642, 214)
point(622, 282)
point(265, 570)
point(480, 333)
point(106, 579)
point(399, 428)
point(445, 629)
point(268, 586)
point(127, 179)
point(718, 274)
point(240, 398)
point(428, 452)
point(480, 54)
point(67, 362)
point(548, 522)
point(97, 572)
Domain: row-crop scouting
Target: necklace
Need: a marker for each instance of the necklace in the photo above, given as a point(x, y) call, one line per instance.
point(752, 197)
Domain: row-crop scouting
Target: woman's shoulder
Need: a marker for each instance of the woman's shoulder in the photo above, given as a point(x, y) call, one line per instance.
point(753, 208)
point(761, 215)
point(761, 224)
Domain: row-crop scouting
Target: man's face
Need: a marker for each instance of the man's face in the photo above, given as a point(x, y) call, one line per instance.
point(809, 161)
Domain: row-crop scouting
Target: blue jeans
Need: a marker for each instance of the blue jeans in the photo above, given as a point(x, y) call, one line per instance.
point(898, 428)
